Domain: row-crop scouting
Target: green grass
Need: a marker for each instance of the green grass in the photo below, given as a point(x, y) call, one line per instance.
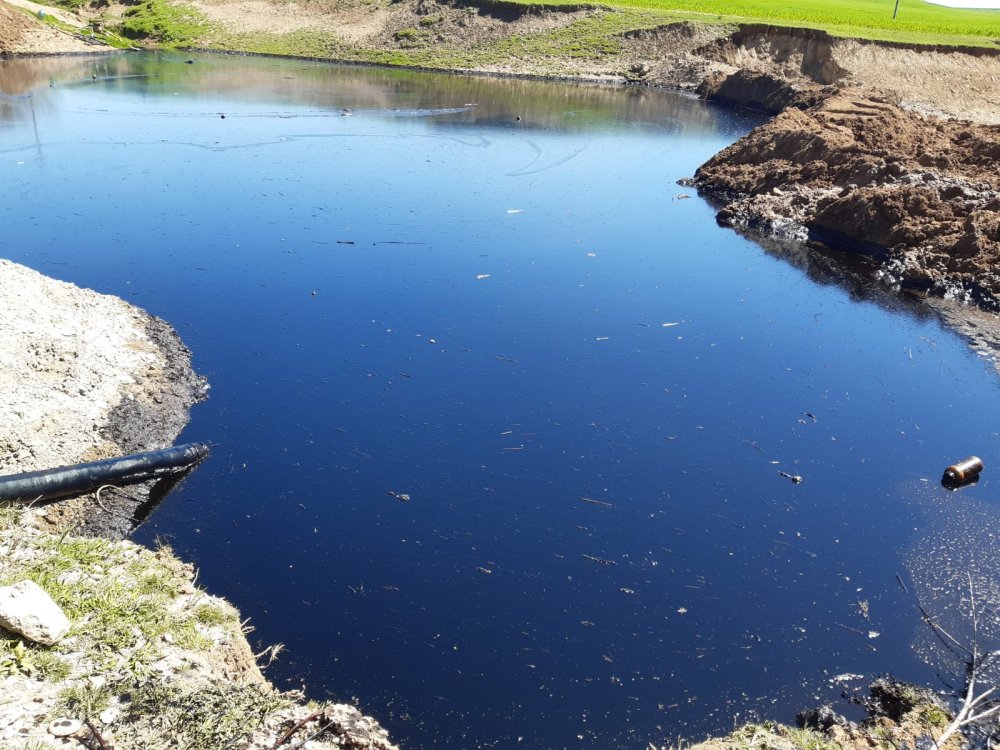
point(917, 21)
point(164, 23)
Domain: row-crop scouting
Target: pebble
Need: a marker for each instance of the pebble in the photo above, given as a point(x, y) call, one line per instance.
point(64, 727)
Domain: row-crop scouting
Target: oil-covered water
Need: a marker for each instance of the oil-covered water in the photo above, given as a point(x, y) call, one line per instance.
point(508, 430)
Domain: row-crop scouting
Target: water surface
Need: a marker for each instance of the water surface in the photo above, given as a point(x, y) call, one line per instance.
point(492, 297)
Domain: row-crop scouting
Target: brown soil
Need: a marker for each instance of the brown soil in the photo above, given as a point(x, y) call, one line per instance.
point(22, 33)
point(855, 170)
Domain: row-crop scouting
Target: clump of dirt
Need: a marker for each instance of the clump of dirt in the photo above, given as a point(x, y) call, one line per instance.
point(856, 170)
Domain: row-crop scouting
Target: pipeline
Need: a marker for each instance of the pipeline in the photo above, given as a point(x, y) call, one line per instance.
point(49, 484)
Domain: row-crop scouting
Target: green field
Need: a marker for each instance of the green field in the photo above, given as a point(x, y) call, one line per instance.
point(916, 20)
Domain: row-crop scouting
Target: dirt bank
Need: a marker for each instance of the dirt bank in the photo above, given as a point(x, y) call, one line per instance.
point(856, 171)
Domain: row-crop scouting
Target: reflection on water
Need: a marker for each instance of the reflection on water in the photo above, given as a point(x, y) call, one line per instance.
point(492, 297)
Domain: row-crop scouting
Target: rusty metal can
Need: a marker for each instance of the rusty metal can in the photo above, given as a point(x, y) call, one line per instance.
point(962, 471)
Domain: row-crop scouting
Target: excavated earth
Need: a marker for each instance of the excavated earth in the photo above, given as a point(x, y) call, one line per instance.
point(855, 170)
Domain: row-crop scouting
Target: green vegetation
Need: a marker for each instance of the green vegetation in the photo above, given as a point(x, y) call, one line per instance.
point(164, 23)
point(83, 701)
point(933, 716)
point(917, 21)
point(774, 736)
point(18, 657)
point(126, 604)
point(592, 37)
point(205, 718)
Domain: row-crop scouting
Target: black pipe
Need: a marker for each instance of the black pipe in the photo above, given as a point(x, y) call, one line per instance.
point(82, 478)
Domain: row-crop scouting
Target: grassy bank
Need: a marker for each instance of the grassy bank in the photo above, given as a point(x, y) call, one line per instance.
point(916, 21)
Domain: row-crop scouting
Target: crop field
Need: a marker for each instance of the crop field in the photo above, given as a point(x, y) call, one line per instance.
point(916, 21)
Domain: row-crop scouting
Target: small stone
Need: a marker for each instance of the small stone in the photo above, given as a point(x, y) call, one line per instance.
point(64, 727)
point(108, 716)
point(26, 609)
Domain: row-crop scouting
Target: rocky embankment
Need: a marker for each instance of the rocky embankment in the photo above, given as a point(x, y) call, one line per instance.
point(139, 658)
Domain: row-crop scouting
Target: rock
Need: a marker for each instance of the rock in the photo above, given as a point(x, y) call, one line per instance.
point(26, 609)
point(64, 727)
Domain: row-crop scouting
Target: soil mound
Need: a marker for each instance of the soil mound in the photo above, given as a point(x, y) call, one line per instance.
point(856, 170)
point(13, 27)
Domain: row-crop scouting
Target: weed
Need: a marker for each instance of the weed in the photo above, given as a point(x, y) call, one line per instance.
point(206, 718)
point(83, 701)
point(210, 614)
point(18, 657)
point(933, 716)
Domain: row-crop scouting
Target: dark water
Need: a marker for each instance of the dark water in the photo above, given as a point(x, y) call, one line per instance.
point(500, 318)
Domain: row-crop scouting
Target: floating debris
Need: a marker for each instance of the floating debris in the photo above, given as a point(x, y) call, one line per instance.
point(401, 496)
point(962, 473)
point(600, 560)
point(668, 325)
point(596, 502)
point(480, 276)
point(515, 210)
point(794, 477)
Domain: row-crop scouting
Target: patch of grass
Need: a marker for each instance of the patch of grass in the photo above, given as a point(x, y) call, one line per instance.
point(10, 515)
point(210, 614)
point(31, 659)
point(18, 657)
point(593, 37)
point(773, 736)
point(164, 23)
point(120, 600)
point(83, 701)
point(302, 43)
point(916, 21)
point(207, 718)
point(933, 716)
